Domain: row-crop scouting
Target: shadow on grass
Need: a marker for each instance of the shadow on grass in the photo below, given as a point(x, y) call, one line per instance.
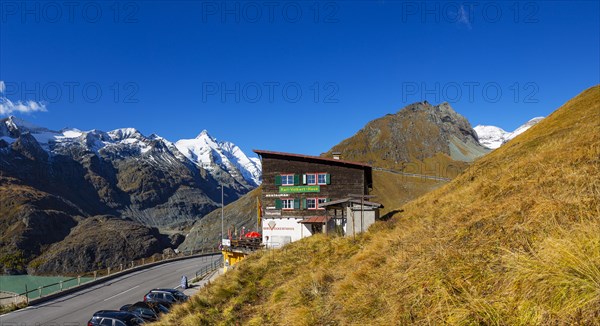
point(390, 214)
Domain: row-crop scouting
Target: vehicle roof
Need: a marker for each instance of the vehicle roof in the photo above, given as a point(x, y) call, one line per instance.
point(166, 290)
point(115, 314)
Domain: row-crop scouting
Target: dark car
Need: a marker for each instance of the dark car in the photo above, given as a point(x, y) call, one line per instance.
point(114, 318)
point(148, 311)
point(180, 296)
point(166, 297)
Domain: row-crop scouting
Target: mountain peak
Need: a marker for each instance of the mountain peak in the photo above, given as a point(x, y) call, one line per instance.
point(18, 123)
point(206, 151)
point(203, 134)
point(417, 132)
point(124, 133)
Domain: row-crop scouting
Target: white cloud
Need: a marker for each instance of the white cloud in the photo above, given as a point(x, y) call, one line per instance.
point(8, 107)
point(463, 17)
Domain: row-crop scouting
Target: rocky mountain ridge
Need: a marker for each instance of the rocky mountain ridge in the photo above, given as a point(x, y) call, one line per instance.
point(50, 181)
point(420, 138)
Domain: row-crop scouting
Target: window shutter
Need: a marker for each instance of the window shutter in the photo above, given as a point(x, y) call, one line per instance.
point(296, 204)
point(304, 206)
point(278, 180)
point(304, 179)
point(328, 178)
point(296, 179)
point(278, 204)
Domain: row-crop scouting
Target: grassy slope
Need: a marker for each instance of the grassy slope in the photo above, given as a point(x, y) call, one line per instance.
point(394, 190)
point(515, 240)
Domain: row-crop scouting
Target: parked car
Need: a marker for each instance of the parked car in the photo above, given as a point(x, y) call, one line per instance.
point(148, 311)
point(166, 297)
point(180, 296)
point(145, 313)
point(158, 308)
point(114, 318)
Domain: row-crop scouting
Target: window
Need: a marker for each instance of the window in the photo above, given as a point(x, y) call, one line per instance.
point(144, 311)
point(323, 178)
point(106, 322)
point(287, 180)
point(311, 203)
point(321, 201)
point(169, 297)
point(311, 179)
point(287, 204)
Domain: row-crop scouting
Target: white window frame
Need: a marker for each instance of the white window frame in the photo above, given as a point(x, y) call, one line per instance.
point(287, 178)
point(324, 178)
point(314, 200)
point(319, 203)
point(287, 204)
point(314, 175)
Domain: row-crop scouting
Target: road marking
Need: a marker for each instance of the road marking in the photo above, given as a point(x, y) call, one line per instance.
point(118, 294)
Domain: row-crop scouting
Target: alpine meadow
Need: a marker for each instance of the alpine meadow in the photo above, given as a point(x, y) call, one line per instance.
point(514, 240)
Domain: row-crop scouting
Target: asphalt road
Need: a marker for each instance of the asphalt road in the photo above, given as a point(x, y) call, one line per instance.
point(76, 308)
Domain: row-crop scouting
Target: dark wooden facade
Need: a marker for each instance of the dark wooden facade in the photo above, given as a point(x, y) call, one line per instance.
point(342, 178)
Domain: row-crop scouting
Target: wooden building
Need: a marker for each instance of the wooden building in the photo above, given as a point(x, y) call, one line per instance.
point(295, 188)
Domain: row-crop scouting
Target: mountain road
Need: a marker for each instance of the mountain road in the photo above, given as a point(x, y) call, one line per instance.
point(76, 309)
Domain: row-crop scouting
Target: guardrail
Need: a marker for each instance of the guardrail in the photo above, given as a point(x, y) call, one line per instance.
point(422, 176)
point(113, 270)
point(201, 273)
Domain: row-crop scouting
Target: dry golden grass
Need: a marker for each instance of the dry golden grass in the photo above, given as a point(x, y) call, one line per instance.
point(394, 190)
point(515, 240)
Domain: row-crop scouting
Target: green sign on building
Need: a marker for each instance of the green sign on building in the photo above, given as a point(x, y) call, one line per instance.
point(298, 189)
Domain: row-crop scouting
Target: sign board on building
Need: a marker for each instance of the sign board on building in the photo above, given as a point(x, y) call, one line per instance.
point(226, 242)
point(298, 189)
point(273, 213)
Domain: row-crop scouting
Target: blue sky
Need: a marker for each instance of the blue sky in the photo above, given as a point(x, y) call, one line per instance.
point(296, 76)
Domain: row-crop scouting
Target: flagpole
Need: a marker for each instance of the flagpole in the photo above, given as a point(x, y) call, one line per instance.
point(258, 214)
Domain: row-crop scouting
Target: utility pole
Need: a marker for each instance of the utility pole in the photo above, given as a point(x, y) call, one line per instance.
point(222, 214)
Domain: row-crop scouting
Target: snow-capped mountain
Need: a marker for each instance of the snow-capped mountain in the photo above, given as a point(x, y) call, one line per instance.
point(493, 137)
point(524, 127)
point(218, 158)
point(212, 155)
point(124, 173)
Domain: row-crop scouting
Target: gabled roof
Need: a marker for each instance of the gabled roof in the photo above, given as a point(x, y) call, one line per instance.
point(309, 157)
